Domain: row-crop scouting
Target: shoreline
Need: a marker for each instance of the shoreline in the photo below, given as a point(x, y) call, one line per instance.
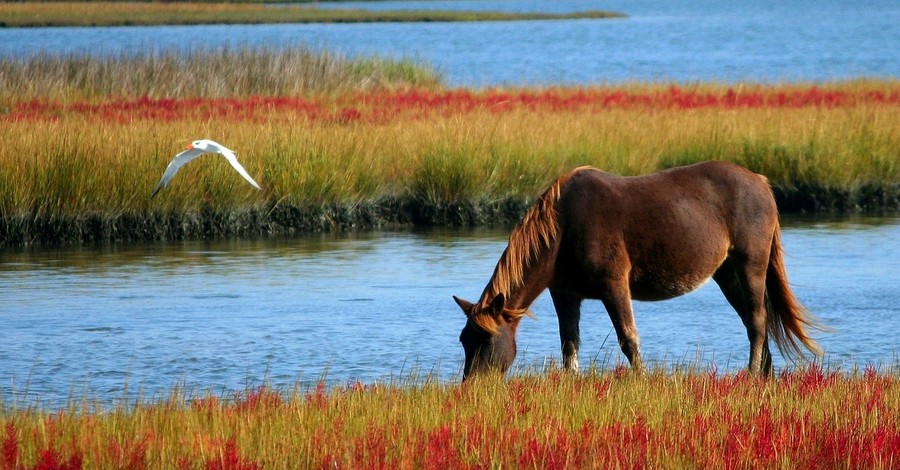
point(208, 223)
point(30, 14)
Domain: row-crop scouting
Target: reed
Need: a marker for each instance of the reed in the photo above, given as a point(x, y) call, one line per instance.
point(203, 73)
point(804, 418)
point(42, 14)
point(336, 156)
point(81, 164)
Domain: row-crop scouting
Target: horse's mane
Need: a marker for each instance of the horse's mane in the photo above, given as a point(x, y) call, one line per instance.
point(537, 230)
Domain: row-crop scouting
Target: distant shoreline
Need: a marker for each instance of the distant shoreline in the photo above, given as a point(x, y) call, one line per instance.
point(88, 14)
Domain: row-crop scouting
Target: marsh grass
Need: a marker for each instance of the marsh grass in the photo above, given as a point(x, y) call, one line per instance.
point(355, 143)
point(42, 14)
point(811, 417)
point(203, 73)
point(71, 169)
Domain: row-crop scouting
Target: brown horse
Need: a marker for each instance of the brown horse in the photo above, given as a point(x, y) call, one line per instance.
point(594, 235)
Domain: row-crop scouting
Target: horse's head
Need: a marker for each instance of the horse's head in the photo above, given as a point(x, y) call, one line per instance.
point(489, 337)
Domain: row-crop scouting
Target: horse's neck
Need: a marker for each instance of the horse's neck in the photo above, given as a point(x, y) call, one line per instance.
point(521, 283)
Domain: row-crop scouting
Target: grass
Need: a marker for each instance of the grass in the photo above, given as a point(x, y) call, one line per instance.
point(203, 73)
point(804, 418)
point(357, 142)
point(43, 14)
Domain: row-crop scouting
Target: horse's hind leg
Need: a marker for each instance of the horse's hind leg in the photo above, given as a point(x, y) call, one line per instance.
point(744, 285)
point(568, 310)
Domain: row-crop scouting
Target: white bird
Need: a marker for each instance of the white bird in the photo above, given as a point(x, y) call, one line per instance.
point(197, 148)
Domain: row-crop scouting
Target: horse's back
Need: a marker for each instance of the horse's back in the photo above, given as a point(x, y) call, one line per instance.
point(711, 190)
point(668, 231)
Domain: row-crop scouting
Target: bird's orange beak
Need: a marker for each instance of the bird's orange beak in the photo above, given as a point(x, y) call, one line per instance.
point(190, 146)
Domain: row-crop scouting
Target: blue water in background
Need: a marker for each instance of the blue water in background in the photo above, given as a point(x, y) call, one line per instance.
point(685, 41)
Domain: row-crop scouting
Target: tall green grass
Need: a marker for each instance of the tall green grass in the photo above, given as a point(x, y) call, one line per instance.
point(340, 142)
point(72, 169)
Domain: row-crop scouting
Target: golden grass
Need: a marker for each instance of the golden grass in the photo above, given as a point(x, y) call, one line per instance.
point(87, 137)
point(71, 165)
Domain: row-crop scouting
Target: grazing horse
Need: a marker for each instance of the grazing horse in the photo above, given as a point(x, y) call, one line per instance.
point(594, 235)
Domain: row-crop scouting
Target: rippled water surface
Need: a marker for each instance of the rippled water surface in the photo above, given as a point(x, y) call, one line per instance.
point(222, 316)
point(689, 40)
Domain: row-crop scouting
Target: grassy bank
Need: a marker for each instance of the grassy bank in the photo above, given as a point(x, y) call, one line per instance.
point(808, 418)
point(81, 152)
point(202, 73)
point(42, 14)
point(85, 172)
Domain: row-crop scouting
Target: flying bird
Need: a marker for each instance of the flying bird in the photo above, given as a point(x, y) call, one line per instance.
point(197, 148)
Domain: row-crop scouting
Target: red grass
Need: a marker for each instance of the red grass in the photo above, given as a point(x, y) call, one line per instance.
point(231, 460)
point(49, 459)
point(728, 438)
point(9, 456)
point(387, 106)
point(818, 419)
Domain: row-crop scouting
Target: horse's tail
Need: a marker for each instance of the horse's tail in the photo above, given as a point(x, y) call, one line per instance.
point(787, 319)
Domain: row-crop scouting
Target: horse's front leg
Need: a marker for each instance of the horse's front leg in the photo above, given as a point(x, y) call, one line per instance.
point(617, 301)
point(568, 310)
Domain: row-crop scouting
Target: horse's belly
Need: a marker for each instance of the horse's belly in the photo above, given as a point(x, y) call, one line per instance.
point(664, 270)
point(665, 287)
point(674, 277)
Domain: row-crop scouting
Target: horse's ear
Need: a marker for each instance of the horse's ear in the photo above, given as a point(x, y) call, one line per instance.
point(465, 305)
point(498, 304)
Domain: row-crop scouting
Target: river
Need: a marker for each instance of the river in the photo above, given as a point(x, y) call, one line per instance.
point(115, 321)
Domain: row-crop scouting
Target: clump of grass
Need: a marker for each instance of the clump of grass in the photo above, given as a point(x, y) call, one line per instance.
point(42, 14)
point(204, 73)
point(807, 418)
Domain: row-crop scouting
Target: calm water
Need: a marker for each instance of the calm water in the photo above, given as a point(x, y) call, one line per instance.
point(221, 316)
point(689, 40)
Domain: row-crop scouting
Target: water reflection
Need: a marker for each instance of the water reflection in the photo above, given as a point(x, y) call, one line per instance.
point(219, 316)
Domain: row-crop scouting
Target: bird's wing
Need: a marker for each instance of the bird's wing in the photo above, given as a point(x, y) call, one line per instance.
point(232, 158)
point(174, 166)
